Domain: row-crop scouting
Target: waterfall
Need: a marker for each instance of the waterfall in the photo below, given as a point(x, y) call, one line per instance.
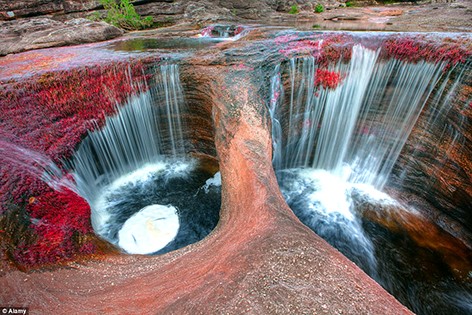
point(140, 133)
point(357, 129)
point(173, 98)
point(276, 94)
point(37, 165)
point(336, 142)
point(131, 152)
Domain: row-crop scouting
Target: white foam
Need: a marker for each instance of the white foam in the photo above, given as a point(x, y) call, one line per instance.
point(330, 193)
point(149, 230)
point(375, 195)
point(333, 191)
point(214, 181)
point(141, 174)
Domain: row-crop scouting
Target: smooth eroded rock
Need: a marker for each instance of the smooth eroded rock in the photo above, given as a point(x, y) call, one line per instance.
point(22, 35)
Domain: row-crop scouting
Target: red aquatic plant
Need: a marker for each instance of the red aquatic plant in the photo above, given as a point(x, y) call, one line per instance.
point(422, 48)
point(282, 39)
point(207, 31)
point(52, 113)
point(49, 115)
point(334, 48)
point(59, 218)
point(327, 79)
point(239, 29)
point(306, 46)
point(326, 48)
point(329, 48)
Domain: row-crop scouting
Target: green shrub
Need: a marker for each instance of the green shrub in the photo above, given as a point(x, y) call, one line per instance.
point(349, 4)
point(319, 8)
point(123, 15)
point(294, 9)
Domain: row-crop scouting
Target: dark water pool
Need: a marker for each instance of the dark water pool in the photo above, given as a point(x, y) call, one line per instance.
point(146, 44)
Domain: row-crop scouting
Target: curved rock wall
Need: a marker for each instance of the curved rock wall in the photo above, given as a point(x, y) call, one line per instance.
point(200, 123)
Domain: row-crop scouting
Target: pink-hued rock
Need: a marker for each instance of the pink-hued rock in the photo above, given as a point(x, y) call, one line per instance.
point(259, 259)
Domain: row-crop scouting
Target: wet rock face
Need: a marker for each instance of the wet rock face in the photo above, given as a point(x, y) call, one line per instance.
point(435, 164)
point(200, 124)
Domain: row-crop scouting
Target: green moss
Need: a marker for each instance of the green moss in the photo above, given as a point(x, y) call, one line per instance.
point(95, 16)
point(294, 9)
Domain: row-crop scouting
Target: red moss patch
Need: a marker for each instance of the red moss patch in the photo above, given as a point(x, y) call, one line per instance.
point(50, 114)
point(422, 48)
point(326, 48)
point(327, 79)
point(60, 219)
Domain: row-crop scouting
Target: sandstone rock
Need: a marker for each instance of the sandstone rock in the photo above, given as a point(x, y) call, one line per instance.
point(163, 10)
point(28, 8)
point(344, 17)
point(25, 8)
point(37, 33)
point(205, 11)
point(391, 12)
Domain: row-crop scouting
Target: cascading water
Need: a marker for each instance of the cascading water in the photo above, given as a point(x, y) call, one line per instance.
point(227, 32)
point(335, 144)
point(144, 193)
point(35, 164)
point(330, 128)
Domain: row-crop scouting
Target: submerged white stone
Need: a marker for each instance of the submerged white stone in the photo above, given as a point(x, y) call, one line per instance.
point(214, 181)
point(149, 230)
point(100, 207)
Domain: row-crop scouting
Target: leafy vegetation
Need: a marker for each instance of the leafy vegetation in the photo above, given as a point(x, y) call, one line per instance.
point(294, 9)
point(95, 16)
point(319, 8)
point(349, 4)
point(123, 15)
